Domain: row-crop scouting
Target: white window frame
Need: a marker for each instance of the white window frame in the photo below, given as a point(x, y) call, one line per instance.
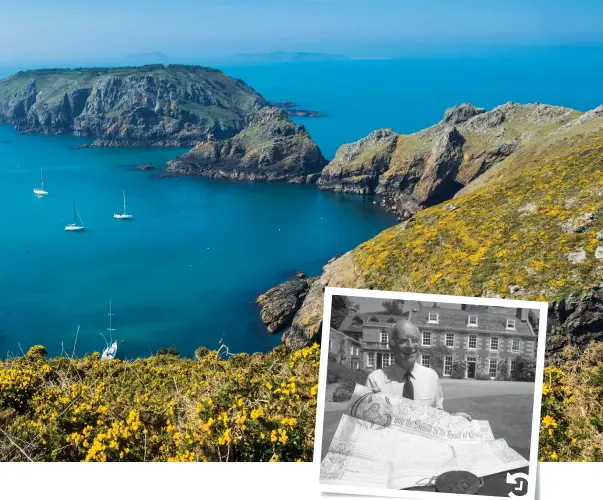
point(509, 323)
point(370, 359)
point(446, 365)
point(428, 357)
point(469, 323)
point(388, 356)
point(497, 343)
point(356, 366)
point(351, 350)
point(430, 320)
point(469, 342)
point(423, 339)
point(513, 345)
point(382, 333)
point(446, 339)
point(495, 368)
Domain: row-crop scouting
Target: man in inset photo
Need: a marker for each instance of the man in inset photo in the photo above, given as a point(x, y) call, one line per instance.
point(405, 377)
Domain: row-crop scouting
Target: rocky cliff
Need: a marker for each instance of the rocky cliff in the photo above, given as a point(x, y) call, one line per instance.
point(153, 105)
point(271, 148)
point(415, 171)
point(530, 227)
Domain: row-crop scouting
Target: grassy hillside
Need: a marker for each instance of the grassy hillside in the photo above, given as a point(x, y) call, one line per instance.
point(258, 407)
point(506, 234)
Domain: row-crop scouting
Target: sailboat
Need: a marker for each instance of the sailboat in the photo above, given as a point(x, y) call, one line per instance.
point(74, 226)
point(111, 350)
point(40, 191)
point(123, 215)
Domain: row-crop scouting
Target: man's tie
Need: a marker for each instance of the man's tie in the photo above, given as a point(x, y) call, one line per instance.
point(408, 391)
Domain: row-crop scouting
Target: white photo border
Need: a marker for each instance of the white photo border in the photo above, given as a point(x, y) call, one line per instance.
point(542, 307)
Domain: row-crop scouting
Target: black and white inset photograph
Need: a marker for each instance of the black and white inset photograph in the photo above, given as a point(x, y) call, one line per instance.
point(427, 394)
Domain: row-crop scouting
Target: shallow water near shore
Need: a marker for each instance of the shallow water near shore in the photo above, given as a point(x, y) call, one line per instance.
point(186, 271)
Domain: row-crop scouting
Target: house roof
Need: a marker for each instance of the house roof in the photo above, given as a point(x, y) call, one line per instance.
point(336, 333)
point(490, 319)
point(367, 320)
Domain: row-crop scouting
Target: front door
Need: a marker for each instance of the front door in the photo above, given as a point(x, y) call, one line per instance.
point(379, 361)
point(471, 364)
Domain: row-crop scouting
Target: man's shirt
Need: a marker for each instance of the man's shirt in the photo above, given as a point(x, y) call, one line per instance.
point(425, 381)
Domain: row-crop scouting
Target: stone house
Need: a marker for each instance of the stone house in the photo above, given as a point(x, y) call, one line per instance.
point(486, 338)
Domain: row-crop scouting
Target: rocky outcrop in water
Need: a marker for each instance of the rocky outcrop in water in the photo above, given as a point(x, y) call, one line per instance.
point(410, 172)
point(279, 304)
point(154, 105)
point(271, 148)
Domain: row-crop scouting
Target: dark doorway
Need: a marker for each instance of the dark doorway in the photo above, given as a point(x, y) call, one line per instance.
point(379, 361)
point(471, 365)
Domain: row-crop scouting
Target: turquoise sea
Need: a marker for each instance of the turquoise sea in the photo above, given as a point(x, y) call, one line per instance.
point(187, 270)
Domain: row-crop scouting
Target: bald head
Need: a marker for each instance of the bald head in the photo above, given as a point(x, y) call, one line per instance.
point(404, 342)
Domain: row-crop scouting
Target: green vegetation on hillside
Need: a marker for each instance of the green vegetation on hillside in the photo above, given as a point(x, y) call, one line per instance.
point(506, 234)
point(258, 407)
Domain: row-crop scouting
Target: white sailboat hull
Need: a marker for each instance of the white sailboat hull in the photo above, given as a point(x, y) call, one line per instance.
point(123, 216)
point(110, 352)
point(74, 227)
point(40, 192)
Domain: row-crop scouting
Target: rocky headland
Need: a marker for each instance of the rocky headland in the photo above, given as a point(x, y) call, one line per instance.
point(154, 105)
point(415, 171)
point(489, 210)
point(271, 148)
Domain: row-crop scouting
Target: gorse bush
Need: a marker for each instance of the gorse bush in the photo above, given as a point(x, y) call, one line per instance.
point(571, 424)
point(258, 407)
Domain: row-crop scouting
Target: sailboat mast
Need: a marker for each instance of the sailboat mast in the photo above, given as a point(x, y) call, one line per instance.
point(124, 202)
point(42, 177)
point(110, 329)
point(74, 214)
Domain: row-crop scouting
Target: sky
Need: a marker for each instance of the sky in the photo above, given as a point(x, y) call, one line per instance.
point(39, 30)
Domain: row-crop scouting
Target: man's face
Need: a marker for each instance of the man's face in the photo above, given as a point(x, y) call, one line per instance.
point(406, 350)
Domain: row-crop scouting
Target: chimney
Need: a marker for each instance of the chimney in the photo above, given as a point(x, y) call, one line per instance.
point(522, 314)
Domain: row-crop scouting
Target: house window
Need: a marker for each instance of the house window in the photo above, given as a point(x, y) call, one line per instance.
point(494, 344)
point(448, 366)
point(433, 317)
point(351, 350)
point(513, 367)
point(387, 359)
point(493, 365)
point(450, 340)
point(471, 320)
point(510, 324)
point(370, 359)
point(515, 345)
point(356, 366)
point(425, 360)
point(472, 341)
point(384, 337)
point(426, 338)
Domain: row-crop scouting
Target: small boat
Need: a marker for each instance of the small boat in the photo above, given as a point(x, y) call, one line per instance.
point(74, 226)
point(111, 350)
point(124, 214)
point(41, 191)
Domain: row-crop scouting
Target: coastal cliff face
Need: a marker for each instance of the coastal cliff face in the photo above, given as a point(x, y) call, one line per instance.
point(530, 227)
point(151, 105)
point(414, 171)
point(271, 148)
